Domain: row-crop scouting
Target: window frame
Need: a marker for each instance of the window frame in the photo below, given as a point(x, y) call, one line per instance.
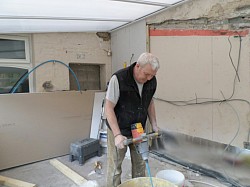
point(20, 63)
point(27, 54)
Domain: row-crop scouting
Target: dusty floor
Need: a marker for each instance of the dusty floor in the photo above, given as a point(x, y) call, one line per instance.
point(43, 174)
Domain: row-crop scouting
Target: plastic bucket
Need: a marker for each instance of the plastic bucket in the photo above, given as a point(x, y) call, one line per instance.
point(173, 176)
point(145, 182)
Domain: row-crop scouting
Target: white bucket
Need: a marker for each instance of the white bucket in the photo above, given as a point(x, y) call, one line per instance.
point(173, 176)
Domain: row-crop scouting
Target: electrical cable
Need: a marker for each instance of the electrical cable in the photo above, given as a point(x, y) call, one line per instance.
point(28, 73)
point(131, 58)
point(236, 69)
point(210, 101)
point(248, 137)
point(230, 50)
point(237, 132)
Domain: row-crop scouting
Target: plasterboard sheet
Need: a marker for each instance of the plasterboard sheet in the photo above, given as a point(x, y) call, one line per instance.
point(39, 126)
point(97, 114)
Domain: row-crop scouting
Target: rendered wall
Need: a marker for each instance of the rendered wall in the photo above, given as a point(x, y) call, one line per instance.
point(85, 48)
point(40, 126)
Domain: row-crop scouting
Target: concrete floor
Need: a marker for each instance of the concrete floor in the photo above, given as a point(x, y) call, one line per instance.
point(43, 174)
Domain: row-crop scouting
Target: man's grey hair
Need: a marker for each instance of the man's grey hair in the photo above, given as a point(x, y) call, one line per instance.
point(148, 58)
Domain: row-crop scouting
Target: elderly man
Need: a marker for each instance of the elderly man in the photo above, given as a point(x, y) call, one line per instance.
point(128, 101)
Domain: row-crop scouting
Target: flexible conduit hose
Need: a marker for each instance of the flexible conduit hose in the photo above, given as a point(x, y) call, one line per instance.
point(25, 76)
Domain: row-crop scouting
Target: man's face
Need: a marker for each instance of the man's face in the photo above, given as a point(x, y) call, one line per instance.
point(145, 73)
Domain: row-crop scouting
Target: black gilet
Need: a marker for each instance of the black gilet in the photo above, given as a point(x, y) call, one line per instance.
point(131, 107)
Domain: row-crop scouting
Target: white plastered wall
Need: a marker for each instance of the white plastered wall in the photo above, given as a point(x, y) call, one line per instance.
point(127, 44)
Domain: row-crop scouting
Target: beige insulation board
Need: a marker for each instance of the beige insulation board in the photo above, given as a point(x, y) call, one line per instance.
point(39, 126)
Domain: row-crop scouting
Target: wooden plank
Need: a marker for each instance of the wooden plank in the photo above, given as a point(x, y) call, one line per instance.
point(10, 182)
point(68, 172)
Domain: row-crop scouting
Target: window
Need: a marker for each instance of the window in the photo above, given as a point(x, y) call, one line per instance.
point(9, 77)
point(14, 63)
point(12, 49)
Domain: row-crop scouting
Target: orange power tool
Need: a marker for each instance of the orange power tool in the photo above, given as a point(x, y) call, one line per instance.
point(140, 139)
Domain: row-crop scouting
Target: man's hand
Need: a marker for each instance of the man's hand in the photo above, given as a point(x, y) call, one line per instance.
point(155, 128)
point(119, 141)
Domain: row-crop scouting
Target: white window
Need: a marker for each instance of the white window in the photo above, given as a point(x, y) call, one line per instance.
point(14, 63)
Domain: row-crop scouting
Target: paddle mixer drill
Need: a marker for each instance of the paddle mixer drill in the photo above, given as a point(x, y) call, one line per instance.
point(141, 140)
